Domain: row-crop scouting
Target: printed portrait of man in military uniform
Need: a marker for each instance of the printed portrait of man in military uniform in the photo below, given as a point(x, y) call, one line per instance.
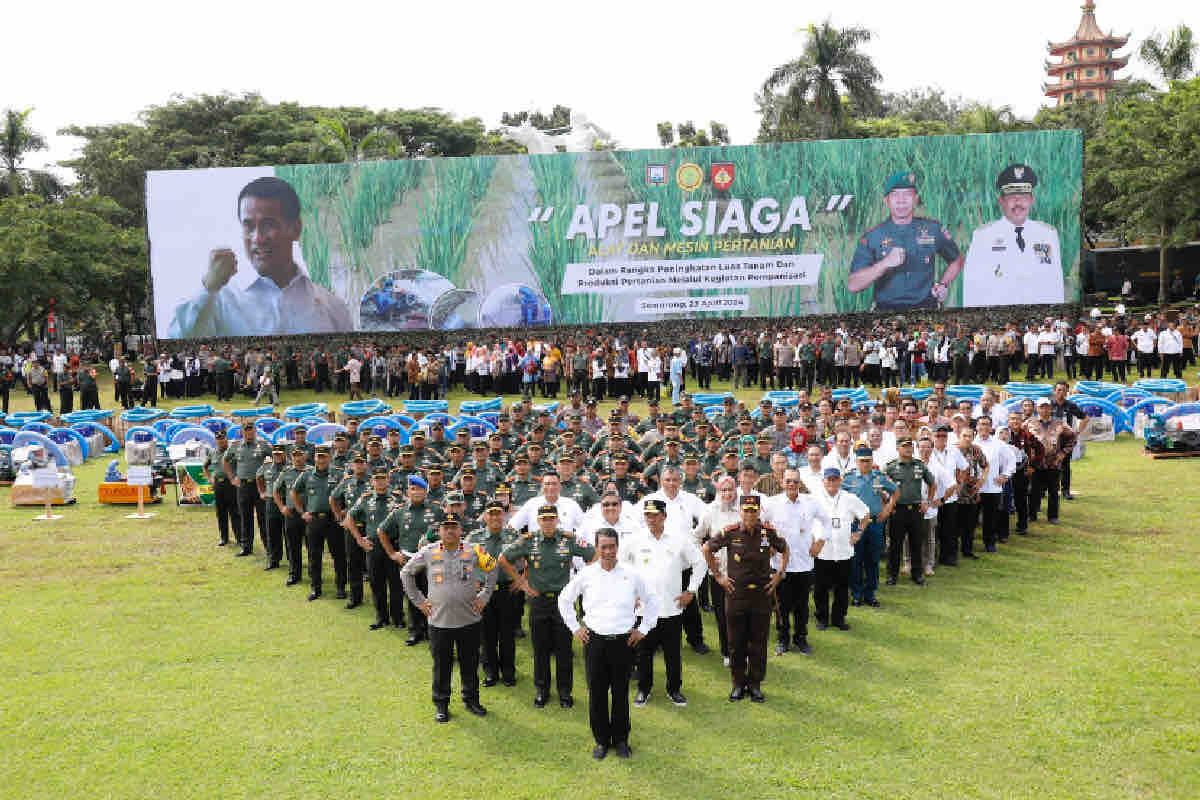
point(898, 257)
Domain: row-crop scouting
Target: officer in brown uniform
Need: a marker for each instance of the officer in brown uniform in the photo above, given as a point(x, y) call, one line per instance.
point(749, 594)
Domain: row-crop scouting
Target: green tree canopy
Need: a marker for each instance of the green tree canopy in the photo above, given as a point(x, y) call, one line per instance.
point(17, 140)
point(1172, 56)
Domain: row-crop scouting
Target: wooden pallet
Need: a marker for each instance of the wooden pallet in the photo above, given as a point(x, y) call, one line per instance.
point(1176, 454)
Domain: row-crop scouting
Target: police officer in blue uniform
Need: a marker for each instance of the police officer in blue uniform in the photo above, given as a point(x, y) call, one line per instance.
point(878, 493)
point(898, 256)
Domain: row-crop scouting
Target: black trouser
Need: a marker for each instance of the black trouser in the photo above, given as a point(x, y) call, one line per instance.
point(793, 606)
point(666, 634)
point(607, 660)
point(150, 391)
point(272, 537)
point(4, 398)
point(1020, 484)
point(718, 602)
point(293, 539)
point(418, 624)
point(250, 509)
point(319, 532)
point(947, 534)
point(1047, 365)
point(225, 497)
point(1145, 364)
point(831, 576)
point(968, 516)
point(445, 644)
point(499, 643)
point(704, 376)
point(961, 363)
point(1065, 474)
point(990, 509)
point(41, 398)
point(387, 591)
point(550, 635)
point(906, 523)
point(1173, 362)
point(356, 567)
point(749, 620)
point(89, 398)
point(1045, 482)
point(693, 626)
point(1117, 368)
point(66, 399)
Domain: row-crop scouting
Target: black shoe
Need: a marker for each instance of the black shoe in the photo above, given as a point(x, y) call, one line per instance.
point(706, 608)
point(599, 752)
point(1023, 531)
point(803, 647)
point(509, 681)
point(566, 701)
point(539, 700)
point(270, 566)
point(821, 625)
point(412, 640)
point(842, 626)
point(874, 603)
point(891, 581)
point(736, 694)
point(313, 596)
point(341, 594)
point(1053, 521)
point(701, 649)
point(677, 698)
point(756, 695)
point(353, 604)
point(241, 553)
point(291, 581)
point(781, 648)
point(919, 580)
point(991, 548)
point(442, 714)
point(475, 708)
point(490, 680)
point(223, 543)
point(1069, 496)
point(641, 699)
point(622, 749)
point(856, 602)
point(1003, 540)
point(379, 624)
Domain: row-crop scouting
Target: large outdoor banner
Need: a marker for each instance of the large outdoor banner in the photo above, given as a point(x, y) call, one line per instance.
point(784, 229)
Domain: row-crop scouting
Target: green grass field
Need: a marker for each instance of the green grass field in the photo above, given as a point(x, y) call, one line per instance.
point(140, 660)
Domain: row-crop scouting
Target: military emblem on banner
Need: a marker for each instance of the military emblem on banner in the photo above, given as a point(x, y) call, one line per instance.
point(689, 176)
point(721, 174)
point(656, 174)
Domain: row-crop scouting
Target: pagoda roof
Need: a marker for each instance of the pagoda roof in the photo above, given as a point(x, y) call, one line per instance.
point(1116, 62)
point(1089, 32)
point(1055, 89)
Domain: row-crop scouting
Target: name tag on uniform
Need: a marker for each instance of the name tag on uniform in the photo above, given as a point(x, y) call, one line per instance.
point(925, 241)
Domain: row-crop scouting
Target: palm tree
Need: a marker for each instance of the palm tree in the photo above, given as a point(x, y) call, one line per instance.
point(813, 90)
point(18, 139)
point(1173, 57)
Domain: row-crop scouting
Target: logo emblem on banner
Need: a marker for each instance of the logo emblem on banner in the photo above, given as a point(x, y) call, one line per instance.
point(689, 176)
point(722, 175)
point(656, 174)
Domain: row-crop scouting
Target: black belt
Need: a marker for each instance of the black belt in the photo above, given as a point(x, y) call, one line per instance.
point(910, 506)
point(321, 514)
point(611, 637)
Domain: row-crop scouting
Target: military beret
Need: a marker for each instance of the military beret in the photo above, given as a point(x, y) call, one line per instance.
point(502, 488)
point(547, 511)
point(904, 179)
point(654, 505)
point(455, 497)
point(1016, 179)
point(452, 519)
point(418, 481)
point(831, 472)
point(750, 503)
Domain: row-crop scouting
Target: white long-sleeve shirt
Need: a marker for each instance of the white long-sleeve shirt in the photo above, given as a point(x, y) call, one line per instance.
point(661, 560)
point(1000, 462)
point(683, 512)
point(261, 309)
point(570, 515)
point(611, 600)
point(795, 521)
point(1170, 342)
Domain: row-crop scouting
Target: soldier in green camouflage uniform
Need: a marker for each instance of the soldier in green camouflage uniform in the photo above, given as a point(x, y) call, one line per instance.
point(268, 473)
point(293, 524)
point(347, 493)
point(362, 522)
point(403, 533)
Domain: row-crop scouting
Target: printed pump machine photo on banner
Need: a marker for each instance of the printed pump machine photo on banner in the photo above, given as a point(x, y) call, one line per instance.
point(772, 230)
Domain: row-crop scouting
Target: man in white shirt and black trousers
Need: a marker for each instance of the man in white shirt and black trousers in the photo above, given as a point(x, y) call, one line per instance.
point(793, 514)
point(833, 546)
point(662, 557)
point(613, 595)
